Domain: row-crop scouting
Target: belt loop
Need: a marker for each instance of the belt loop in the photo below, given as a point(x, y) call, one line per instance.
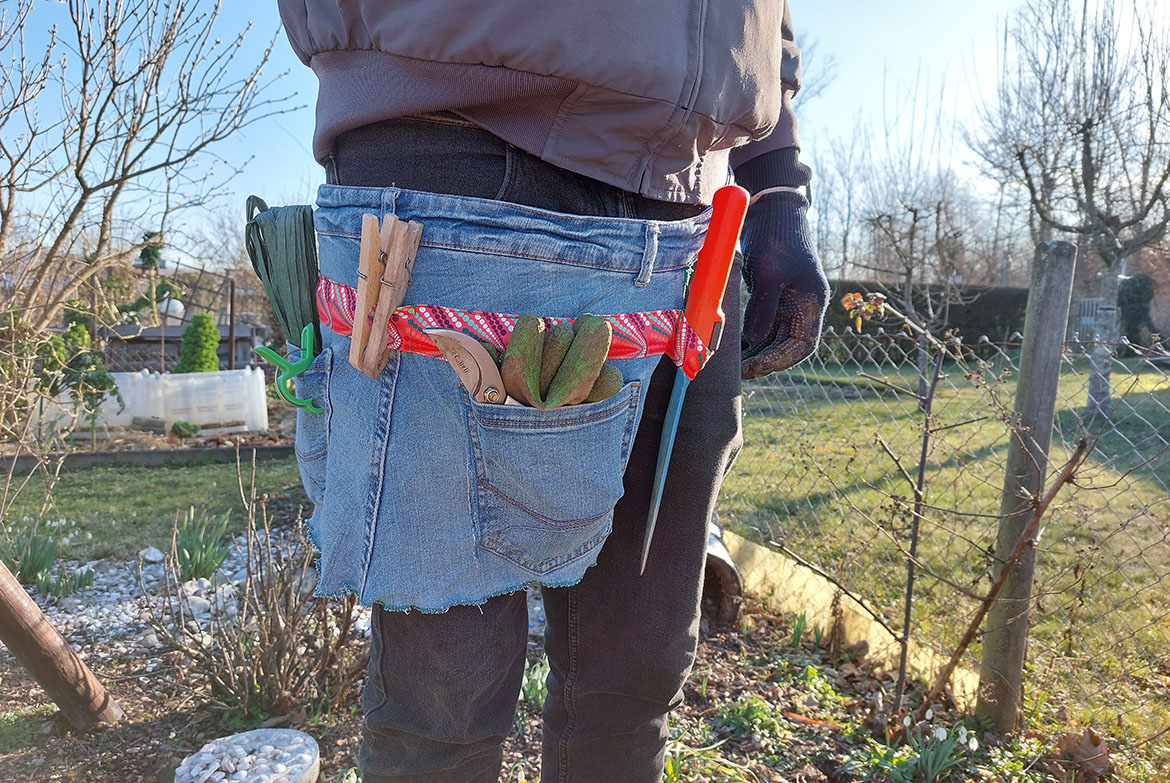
point(648, 255)
point(389, 197)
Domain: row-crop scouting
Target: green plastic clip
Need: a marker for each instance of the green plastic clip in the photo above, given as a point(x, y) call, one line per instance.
point(290, 370)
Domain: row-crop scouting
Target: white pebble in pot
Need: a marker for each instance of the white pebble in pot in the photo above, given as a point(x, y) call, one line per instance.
point(259, 756)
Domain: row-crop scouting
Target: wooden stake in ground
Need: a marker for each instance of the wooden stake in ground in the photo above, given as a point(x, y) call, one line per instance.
point(1006, 636)
point(1023, 544)
point(45, 654)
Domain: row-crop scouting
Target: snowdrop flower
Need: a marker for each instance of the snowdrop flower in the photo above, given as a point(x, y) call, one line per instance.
point(973, 744)
point(906, 721)
point(929, 714)
point(940, 733)
point(962, 735)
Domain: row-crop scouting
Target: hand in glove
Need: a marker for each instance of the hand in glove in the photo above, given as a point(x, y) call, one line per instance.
point(788, 289)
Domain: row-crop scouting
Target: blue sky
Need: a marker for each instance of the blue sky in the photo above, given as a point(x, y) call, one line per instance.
point(883, 47)
point(888, 43)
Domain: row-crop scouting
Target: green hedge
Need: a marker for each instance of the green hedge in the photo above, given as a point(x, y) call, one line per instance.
point(1134, 295)
point(992, 311)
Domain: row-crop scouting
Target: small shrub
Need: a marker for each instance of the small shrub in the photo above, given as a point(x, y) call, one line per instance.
point(1134, 295)
point(271, 647)
point(200, 545)
point(150, 256)
point(66, 363)
point(184, 429)
point(38, 559)
point(197, 350)
point(752, 717)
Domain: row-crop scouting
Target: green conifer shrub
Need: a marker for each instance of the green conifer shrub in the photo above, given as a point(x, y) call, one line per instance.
point(197, 351)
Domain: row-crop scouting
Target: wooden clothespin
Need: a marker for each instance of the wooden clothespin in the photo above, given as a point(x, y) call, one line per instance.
point(367, 257)
point(385, 261)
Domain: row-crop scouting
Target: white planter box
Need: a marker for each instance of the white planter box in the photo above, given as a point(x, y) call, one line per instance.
point(227, 400)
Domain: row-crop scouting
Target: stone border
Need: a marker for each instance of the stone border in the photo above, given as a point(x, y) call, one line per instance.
point(153, 458)
point(789, 587)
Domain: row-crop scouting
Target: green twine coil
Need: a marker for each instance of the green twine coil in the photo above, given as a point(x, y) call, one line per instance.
point(283, 248)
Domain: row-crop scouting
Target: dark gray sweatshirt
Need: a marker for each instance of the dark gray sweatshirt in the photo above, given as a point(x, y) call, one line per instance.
point(652, 96)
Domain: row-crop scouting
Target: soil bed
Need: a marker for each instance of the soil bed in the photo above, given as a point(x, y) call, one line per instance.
point(167, 717)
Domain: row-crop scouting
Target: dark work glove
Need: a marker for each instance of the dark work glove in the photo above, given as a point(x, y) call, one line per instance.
point(788, 289)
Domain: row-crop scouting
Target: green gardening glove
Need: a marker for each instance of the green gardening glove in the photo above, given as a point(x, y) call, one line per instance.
point(548, 368)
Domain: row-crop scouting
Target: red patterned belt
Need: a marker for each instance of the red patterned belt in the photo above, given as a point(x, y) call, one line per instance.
point(635, 335)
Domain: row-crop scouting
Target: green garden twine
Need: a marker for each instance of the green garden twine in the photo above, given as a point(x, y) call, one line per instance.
point(283, 249)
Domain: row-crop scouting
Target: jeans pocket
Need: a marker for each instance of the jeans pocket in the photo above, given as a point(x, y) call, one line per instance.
point(312, 437)
point(547, 481)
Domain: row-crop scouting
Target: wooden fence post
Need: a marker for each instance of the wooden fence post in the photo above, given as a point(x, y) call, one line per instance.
point(1006, 631)
point(45, 654)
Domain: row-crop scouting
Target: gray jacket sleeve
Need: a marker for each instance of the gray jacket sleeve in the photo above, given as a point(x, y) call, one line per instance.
point(784, 134)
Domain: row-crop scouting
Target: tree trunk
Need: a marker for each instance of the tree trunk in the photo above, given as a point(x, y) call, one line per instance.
point(1104, 342)
point(45, 655)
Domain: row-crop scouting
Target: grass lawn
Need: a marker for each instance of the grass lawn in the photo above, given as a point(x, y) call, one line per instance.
point(814, 476)
point(120, 510)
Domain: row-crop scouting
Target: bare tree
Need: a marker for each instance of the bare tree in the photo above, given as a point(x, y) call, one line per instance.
point(109, 125)
point(820, 71)
point(836, 193)
point(1082, 124)
point(110, 131)
point(909, 207)
point(916, 242)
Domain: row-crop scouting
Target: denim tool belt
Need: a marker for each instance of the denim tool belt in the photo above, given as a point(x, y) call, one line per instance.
point(425, 498)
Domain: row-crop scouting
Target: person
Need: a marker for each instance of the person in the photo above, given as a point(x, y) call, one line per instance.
point(561, 156)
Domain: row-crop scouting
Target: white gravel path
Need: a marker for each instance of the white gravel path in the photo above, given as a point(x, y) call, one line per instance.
point(115, 611)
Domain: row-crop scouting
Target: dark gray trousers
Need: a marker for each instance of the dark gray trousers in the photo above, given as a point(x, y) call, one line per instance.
point(442, 689)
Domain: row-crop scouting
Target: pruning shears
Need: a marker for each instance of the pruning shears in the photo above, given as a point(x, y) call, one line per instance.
point(473, 364)
point(289, 370)
point(704, 312)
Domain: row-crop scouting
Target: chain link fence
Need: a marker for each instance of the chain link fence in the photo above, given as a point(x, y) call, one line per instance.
point(833, 450)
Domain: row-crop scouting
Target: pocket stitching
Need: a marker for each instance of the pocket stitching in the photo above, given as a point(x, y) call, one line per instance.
point(498, 422)
point(315, 454)
point(546, 566)
point(321, 375)
point(498, 545)
point(556, 524)
point(480, 461)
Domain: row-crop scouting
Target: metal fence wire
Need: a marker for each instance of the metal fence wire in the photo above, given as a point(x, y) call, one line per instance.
point(832, 446)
